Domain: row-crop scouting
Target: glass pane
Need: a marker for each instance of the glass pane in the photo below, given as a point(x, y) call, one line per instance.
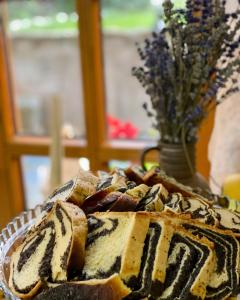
point(45, 59)
point(125, 23)
point(36, 176)
point(122, 164)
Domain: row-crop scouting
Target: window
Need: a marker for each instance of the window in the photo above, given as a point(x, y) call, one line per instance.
point(126, 24)
point(39, 60)
point(45, 63)
point(123, 25)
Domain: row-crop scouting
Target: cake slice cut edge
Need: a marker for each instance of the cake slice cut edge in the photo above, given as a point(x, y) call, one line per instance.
point(161, 256)
point(48, 250)
point(121, 235)
point(226, 251)
point(195, 253)
point(76, 190)
point(154, 199)
point(228, 220)
point(153, 262)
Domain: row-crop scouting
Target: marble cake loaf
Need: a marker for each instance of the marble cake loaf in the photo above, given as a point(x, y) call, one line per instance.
point(171, 253)
point(203, 212)
point(157, 175)
point(224, 280)
point(123, 199)
point(145, 237)
point(115, 245)
point(49, 250)
point(228, 220)
point(154, 260)
point(115, 192)
point(183, 264)
point(111, 288)
point(93, 193)
point(196, 207)
point(154, 199)
point(76, 190)
point(151, 255)
point(135, 173)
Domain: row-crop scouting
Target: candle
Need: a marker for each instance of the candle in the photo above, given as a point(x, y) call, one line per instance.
point(56, 147)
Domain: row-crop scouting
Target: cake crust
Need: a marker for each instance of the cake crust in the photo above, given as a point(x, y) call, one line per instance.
point(111, 288)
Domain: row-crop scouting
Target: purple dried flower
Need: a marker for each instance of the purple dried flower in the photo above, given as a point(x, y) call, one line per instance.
point(188, 63)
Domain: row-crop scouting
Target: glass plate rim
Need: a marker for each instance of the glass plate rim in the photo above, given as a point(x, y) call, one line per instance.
point(8, 235)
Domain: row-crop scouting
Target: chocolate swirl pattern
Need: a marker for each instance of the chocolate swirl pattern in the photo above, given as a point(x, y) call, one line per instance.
point(228, 220)
point(174, 202)
point(142, 286)
point(197, 208)
point(46, 252)
point(188, 266)
point(76, 190)
point(154, 199)
point(33, 252)
point(225, 278)
point(119, 235)
point(177, 245)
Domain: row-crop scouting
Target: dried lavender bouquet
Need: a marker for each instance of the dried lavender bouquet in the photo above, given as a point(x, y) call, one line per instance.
point(190, 66)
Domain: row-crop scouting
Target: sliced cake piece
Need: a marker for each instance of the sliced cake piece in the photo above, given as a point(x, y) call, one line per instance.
point(189, 265)
point(94, 204)
point(154, 199)
point(228, 220)
point(124, 203)
point(154, 261)
point(111, 288)
point(117, 178)
point(196, 207)
point(138, 192)
point(225, 277)
point(110, 198)
point(158, 274)
point(135, 173)
point(129, 200)
point(115, 182)
point(76, 190)
point(175, 202)
point(156, 175)
point(49, 250)
point(115, 245)
point(199, 210)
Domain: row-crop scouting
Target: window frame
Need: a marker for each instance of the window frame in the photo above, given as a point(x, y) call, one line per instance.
point(97, 148)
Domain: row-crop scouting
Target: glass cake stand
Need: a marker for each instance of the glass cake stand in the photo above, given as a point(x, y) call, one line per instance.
point(9, 237)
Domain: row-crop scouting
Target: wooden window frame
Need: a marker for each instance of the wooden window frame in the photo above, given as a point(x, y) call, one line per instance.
point(98, 148)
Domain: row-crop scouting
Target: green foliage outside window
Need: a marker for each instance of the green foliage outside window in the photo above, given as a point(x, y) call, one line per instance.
point(116, 14)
